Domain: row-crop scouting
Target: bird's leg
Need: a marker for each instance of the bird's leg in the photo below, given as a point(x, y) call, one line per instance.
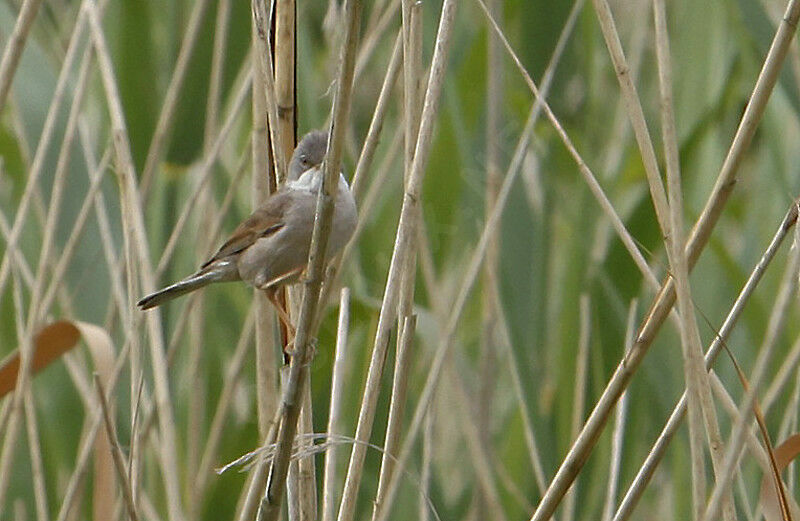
point(283, 316)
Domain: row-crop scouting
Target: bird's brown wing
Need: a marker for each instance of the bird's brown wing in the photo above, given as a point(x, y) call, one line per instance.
point(265, 221)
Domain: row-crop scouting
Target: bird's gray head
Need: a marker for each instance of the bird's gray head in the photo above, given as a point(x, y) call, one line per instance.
point(310, 153)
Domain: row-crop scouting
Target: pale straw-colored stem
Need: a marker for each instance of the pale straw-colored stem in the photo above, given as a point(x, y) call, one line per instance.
point(635, 113)
point(579, 392)
point(298, 368)
point(329, 492)
point(14, 47)
point(656, 453)
point(116, 452)
point(136, 244)
point(662, 305)
point(396, 407)
point(406, 233)
point(620, 420)
point(700, 401)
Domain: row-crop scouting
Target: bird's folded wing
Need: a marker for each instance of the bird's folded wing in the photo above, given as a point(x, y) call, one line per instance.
point(265, 221)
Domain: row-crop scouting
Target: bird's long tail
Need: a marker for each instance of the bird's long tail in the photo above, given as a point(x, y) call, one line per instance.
point(217, 272)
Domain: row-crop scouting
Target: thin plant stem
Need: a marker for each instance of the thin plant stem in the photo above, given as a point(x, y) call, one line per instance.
point(329, 491)
point(323, 219)
point(656, 453)
point(14, 47)
point(406, 233)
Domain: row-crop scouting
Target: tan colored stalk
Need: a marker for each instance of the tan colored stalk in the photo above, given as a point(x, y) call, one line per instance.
point(116, 452)
point(363, 203)
point(329, 492)
point(697, 241)
point(285, 75)
point(412, 83)
point(298, 369)
point(648, 468)
point(266, 360)
point(136, 243)
point(579, 393)
point(427, 463)
point(635, 113)
point(396, 407)
point(14, 47)
point(37, 165)
point(618, 435)
point(263, 54)
point(700, 401)
point(406, 234)
point(167, 115)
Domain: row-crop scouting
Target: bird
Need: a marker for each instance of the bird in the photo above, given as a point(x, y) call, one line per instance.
point(270, 248)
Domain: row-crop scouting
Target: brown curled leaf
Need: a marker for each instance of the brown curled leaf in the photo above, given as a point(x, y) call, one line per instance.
point(784, 454)
point(50, 343)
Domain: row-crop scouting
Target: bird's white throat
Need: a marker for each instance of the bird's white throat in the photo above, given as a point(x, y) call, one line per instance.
point(311, 180)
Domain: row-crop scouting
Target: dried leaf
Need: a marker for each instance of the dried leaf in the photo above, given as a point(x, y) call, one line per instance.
point(50, 343)
point(784, 454)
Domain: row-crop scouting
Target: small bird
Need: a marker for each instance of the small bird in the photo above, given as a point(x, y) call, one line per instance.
point(270, 248)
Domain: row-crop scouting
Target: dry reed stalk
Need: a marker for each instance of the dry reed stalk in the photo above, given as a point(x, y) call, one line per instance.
point(166, 117)
point(136, 243)
point(266, 359)
point(329, 492)
point(620, 421)
point(35, 450)
point(116, 451)
point(746, 407)
point(14, 47)
point(579, 393)
point(364, 203)
point(427, 463)
point(662, 305)
point(700, 401)
point(396, 407)
point(23, 377)
point(284, 61)
point(262, 20)
point(635, 113)
point(406, 234)
point(647, 469)
point(373, 35)
point(412, 84)
point(298, 368)
point(37, 165)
